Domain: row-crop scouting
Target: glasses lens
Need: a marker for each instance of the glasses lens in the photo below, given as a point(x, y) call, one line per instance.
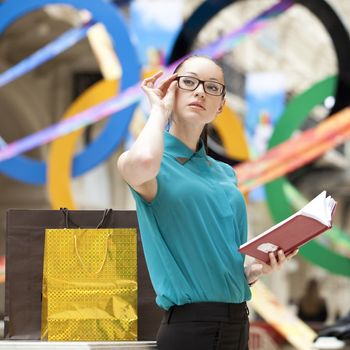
point(210, 87)
point(213, 88)
point(188, 83)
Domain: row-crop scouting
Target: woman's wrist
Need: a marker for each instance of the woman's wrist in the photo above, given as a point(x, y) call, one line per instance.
point(158, 117)
point(252, 279)
point(252, 276)
point(162, 111)
point(253, 282)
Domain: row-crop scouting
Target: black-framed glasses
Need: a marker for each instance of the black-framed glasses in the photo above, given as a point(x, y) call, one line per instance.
point(209, 86)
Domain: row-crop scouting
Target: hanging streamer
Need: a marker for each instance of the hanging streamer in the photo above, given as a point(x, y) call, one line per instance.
point(295, 152)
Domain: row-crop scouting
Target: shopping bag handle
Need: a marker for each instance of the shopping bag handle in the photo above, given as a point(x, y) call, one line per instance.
point(68, 219)
point(81, 260)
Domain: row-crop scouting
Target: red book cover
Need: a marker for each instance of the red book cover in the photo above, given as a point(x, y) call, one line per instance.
point(288, 235)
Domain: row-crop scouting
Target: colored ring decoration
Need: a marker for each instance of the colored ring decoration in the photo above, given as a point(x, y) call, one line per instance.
point(226, 125)
point(34, 172)
point(62, 149)
point(296, 112)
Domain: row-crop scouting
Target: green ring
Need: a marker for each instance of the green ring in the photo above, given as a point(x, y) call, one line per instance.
point(295, 114)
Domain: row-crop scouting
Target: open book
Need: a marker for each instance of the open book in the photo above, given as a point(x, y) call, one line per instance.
point(307, 223)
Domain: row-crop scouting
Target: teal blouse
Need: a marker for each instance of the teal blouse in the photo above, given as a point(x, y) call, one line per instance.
point(192, 229)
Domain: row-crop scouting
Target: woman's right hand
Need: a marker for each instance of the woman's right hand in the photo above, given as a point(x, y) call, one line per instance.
point(163, 95)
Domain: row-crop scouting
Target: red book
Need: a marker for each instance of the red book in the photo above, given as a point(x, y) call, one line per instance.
point(293, 232)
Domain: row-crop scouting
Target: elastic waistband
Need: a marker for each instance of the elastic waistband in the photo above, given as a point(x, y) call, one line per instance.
point(206, 311)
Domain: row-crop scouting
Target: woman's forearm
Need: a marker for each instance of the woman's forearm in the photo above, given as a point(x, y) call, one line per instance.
point(150, 142)
point(141, 162)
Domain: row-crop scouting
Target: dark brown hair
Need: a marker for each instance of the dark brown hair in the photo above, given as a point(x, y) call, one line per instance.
point(204, 133)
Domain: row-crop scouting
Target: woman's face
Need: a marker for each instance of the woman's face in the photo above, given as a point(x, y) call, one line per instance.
point(197, 106)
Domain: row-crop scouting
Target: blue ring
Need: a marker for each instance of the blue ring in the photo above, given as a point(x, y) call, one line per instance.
point(33, 171)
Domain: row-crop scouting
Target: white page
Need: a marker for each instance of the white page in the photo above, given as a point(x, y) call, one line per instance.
point(320, 208)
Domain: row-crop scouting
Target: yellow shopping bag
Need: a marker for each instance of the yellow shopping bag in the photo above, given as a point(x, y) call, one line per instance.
point(90, 285)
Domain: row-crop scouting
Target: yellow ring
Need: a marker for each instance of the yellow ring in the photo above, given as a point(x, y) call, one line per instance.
point(61, 152)
point(231, 132)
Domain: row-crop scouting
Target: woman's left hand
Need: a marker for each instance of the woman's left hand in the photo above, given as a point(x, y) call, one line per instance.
point(258, 267)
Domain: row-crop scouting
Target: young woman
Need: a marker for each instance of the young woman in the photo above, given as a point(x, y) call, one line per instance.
point(191, 214)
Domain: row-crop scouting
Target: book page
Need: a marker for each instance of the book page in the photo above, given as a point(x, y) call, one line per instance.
point(320, 208)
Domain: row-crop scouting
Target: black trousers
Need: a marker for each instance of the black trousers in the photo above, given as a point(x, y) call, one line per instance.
point(205, 326)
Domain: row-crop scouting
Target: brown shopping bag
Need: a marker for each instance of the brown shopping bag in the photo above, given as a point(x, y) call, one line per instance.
point(90, 285)
point(25, 234)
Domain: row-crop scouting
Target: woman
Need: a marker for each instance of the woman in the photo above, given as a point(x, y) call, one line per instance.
point(192, 216)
